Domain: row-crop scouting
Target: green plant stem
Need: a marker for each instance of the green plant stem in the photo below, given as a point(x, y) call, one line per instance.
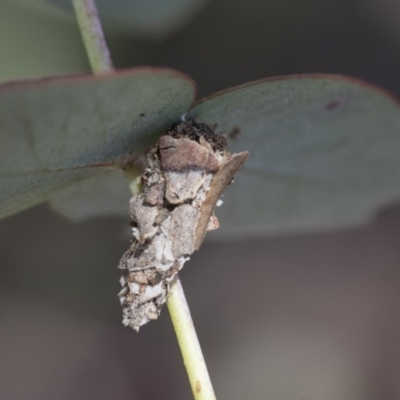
point(100, 61)
point(93, 36)
point(189, 344)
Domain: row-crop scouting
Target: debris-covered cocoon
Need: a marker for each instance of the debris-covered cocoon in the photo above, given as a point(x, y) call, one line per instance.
point(187, 171)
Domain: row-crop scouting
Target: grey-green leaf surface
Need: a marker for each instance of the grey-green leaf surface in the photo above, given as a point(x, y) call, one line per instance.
point(151, 18)
point(56, 132)
point(102, 195)
point(324, 151)
point(35, 44)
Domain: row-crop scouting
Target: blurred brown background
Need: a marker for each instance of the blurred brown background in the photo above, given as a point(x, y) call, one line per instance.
point(312, 316)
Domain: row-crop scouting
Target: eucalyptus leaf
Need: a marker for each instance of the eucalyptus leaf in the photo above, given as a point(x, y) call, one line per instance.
point(324, 151)
point(36, 44)
point(56, 132)
point(151, 18)
point(105, 194)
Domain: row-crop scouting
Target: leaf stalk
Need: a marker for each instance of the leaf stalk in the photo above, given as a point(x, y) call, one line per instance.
point(93, 36)
point(189, 344)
